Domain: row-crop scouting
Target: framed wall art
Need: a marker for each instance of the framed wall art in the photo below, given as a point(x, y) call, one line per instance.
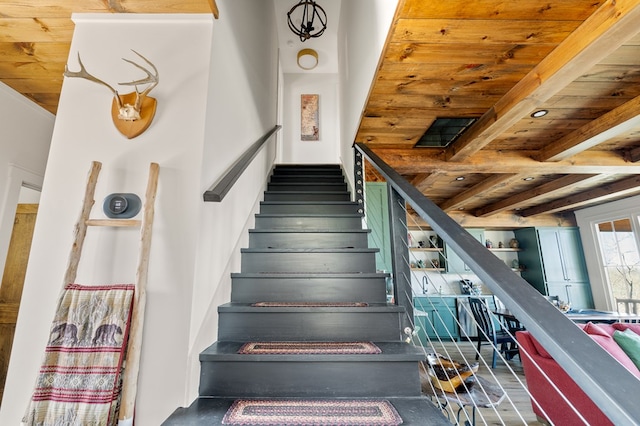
point(310, 128)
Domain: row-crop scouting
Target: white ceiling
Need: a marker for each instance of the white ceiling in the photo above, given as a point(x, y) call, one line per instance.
point(326, 45)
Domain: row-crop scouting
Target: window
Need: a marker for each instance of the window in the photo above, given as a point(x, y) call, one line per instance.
point(620, 258)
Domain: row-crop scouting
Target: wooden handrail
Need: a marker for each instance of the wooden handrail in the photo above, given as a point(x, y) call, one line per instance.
point(219, 189)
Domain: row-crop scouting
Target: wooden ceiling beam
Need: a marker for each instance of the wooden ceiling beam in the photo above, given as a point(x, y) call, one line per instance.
point(490, 184)
point(605, 127)
point(608, 192)
point(413, 161)
point(613, 23)
point(634, 155)
point(424, 181)
point(533, 194)
point(505, 220)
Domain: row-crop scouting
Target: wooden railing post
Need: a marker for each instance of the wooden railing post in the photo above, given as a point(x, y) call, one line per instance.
point(400, 254)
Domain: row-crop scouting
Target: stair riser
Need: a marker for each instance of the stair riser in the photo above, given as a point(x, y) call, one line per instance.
point(307, 178)
point(308, 222)
point(310, 379)
point(308, 262)
point(251, 290)
point(211, 411)
point(308, 239)
point(306, 196)
point(318, 208)
point(307, 186)
point(307, 325)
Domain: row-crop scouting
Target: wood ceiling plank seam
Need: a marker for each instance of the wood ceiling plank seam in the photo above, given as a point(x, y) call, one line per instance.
point(484, 31)
point(464, 53)
point(29, 30)
point(608, 28)
point(611, 73)
point(530, 9)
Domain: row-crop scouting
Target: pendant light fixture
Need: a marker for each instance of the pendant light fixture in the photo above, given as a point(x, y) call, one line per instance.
point(307, 20)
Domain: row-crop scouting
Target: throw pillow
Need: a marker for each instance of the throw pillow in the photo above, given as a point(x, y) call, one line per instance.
point(630, 344)
point(622, 326)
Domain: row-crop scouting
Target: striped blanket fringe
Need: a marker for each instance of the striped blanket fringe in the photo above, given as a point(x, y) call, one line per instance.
point(80, 380)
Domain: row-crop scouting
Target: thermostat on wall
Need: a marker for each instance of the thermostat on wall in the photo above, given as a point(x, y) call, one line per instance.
point(121, 206)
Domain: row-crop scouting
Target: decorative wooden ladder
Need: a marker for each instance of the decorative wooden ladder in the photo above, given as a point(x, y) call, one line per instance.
point(130, 378)
point(308, 255)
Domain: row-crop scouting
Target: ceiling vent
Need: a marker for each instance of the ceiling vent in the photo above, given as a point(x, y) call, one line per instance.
point(443, 131)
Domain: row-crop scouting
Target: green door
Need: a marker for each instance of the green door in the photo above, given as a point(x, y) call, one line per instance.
point(377, 212)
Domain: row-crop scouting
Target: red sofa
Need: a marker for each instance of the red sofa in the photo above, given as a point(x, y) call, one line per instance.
point(556, 410)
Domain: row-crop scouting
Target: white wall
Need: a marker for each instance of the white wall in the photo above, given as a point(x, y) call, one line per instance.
point(84, 132)
point(25, 136)
point(242, 107)
point(587, 220)
point(364, 26)
point(325, 150)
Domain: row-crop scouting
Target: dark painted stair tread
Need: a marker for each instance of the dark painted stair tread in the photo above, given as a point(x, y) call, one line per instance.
point(285, 275)
point(307, 192)
point(391, 351)
point(314, 215)
point(346, 250)
point(306, 195)
point(414, 411)
point(308, 165)
point(335, 168)
point(247, 307)
point(293, 202)
point(310, 231)
point(309, 203)
point(335, 178)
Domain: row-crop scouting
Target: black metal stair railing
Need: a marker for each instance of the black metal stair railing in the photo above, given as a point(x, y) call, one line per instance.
point(591, 367)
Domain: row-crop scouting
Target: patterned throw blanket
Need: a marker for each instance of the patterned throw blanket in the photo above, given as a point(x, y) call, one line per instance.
point(80, 379)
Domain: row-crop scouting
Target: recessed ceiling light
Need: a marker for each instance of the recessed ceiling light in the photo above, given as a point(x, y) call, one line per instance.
point(460, 208)
point(540, 113)
point(528, 178)
point(460, 178)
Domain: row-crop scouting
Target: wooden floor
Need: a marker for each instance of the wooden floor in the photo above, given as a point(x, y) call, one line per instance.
point(515, 408)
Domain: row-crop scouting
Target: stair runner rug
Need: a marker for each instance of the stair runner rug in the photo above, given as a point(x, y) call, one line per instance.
point(311, 413)
point(310, 304)
point(80, 379)
point(309, 348)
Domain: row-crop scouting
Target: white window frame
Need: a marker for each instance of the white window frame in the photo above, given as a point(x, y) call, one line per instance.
point(588, 220)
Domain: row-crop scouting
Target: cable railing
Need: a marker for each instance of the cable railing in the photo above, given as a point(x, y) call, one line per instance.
point(432, 322)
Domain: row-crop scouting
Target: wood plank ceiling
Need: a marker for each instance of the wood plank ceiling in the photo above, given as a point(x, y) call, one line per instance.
point(499, 61)
point(35, 37)
point(495, 60)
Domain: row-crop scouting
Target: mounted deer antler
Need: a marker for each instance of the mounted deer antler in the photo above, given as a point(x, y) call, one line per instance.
point(135, 109)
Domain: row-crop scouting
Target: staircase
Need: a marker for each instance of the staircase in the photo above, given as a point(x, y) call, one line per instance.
point(309, 269)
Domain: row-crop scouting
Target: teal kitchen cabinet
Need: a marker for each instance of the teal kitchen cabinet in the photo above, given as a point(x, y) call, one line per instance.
point(436, 318)
point(454, 262)
point(554, 264)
